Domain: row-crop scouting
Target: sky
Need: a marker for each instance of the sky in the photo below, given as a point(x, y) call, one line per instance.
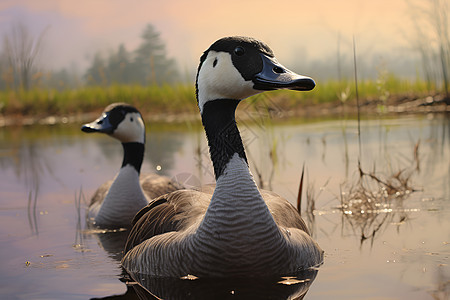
point(297, 30)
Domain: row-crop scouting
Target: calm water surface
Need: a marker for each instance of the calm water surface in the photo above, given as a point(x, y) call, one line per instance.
point(393, 247)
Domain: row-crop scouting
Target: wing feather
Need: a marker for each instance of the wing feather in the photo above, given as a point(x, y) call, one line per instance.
point(283, 212)
point(180, 209)
point(171, 212)
point(156, 185)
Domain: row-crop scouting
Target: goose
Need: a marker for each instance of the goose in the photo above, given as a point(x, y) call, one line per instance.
point(234, 229)
point(116, 202)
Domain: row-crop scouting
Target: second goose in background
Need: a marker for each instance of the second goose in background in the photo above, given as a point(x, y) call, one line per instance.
point(115, 203)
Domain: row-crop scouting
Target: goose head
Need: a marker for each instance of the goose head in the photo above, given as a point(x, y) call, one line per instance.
point(121, 121)
point(239, 67)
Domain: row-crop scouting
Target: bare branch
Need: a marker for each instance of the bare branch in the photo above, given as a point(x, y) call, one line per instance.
point(21, 50)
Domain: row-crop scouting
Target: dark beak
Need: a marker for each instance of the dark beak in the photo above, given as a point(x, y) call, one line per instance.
point(102, 124)
point(275, 76)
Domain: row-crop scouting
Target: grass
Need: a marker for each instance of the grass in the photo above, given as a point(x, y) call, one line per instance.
point(180, 98)
point(330, 90)
point(43, 102)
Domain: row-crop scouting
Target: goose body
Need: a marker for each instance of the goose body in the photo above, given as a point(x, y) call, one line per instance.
point(234, 229)
point(116, 202)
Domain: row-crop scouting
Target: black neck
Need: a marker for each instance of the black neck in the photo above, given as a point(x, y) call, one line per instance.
point(224, 139)
point(133, 155)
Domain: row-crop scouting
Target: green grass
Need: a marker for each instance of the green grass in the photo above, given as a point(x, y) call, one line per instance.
point(181, 98)
point(332, 90)
point(167, 98)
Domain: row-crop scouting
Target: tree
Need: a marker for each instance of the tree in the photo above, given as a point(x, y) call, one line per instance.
point(433, 40)
point(6, 80)
point(441, 26)
point(120, 66)
point(151, 62)
point(65, 78)
point(148, 64)
point(96, 74)
point(21, 50)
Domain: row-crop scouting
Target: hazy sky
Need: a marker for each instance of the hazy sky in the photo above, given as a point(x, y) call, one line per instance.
point(295, 29)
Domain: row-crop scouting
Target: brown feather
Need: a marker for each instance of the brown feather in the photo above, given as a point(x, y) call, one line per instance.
point(180, 209)
point(155, 185)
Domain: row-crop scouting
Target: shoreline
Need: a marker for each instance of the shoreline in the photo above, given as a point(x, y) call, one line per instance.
point(368, 107)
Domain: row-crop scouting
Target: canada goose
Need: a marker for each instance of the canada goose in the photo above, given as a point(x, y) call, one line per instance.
point(116, 202)
point(238, 230)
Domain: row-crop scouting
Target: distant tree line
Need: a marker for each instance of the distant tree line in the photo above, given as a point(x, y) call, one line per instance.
point(148, 64)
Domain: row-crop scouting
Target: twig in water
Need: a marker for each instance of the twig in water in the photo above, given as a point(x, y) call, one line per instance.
point(416, 156)
point(78, 232)
point(300, 191)
point(357, 96)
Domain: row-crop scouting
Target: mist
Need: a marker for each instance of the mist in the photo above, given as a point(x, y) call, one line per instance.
point(310, 38)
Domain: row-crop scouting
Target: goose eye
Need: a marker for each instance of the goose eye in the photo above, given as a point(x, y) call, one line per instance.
point(131, 119)
point(239, 51)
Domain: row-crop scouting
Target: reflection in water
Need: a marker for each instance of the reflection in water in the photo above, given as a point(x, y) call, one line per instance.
point(32, 214)
point(130, 294)
point(30, 165)
point(408, 234)
point(310, 211)
point(148, 287)
point(374, 202)
point(78, 232)
point(161, 148)
point(112, 241)
point(442, 290)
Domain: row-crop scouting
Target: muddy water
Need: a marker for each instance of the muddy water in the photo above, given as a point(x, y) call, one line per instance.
point(391, 247)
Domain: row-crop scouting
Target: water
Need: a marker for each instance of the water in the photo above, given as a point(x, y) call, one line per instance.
point(47, 252)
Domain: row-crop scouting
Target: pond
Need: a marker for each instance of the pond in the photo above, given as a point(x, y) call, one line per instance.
point(386, 235)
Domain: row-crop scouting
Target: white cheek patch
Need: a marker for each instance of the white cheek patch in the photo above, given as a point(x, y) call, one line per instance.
point(219, 79)
point(131, 129)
